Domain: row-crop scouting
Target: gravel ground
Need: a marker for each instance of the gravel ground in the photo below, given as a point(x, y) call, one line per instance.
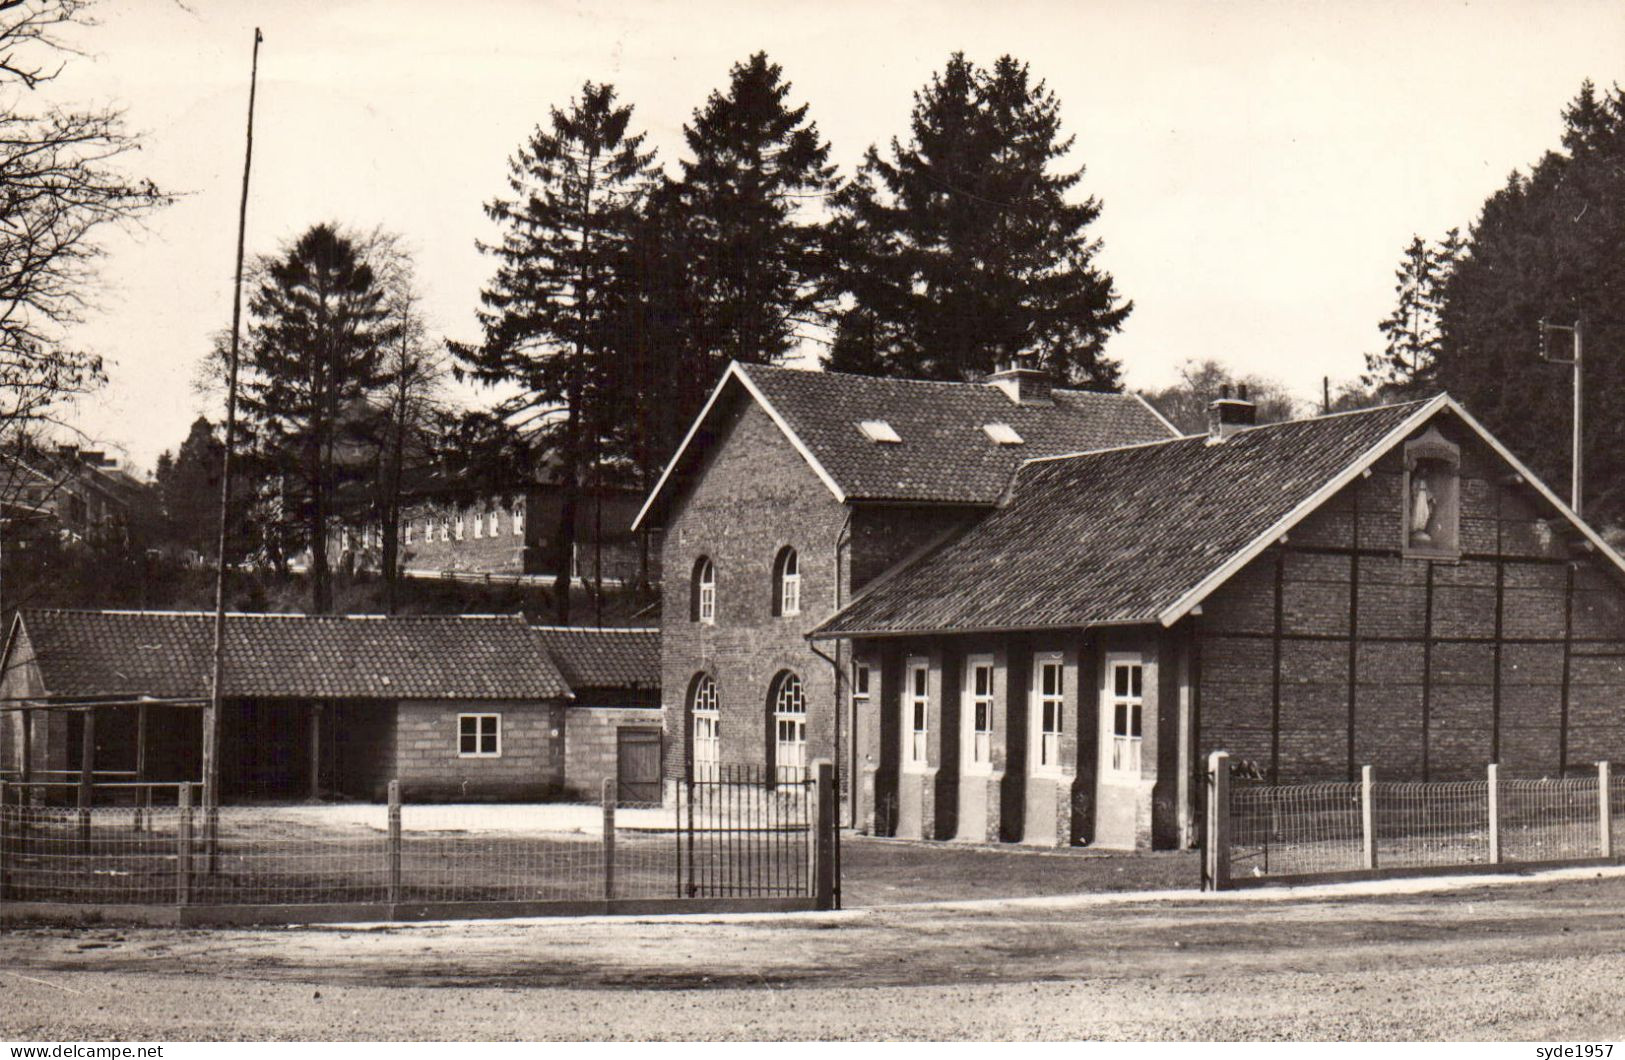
point(1534, 959)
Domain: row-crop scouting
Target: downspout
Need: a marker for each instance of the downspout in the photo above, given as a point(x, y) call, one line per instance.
point(841, 539)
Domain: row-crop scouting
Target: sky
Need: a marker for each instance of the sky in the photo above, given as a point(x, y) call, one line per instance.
point(1261, 165)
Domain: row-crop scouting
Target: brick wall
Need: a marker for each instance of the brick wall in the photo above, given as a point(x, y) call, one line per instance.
point(1426, 663)
point(590, 740)
point(531, 765)
point(754, 495)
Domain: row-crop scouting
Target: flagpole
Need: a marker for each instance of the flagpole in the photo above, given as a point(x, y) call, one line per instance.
point(211, 718)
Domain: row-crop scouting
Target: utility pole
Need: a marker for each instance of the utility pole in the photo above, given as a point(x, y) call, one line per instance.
point(211, 717)
point(1577, 362)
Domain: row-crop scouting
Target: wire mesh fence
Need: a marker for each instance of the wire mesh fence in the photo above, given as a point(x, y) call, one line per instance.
point(734, 837)
point(1276, 831)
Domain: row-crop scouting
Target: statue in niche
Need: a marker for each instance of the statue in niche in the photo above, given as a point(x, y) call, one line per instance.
point(1423, 506)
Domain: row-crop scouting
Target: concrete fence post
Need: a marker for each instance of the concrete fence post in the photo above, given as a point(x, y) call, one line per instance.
point(1368, 817)
point(1218, 821)
point(609, 838)
point(394, 842)
point(183, 848)
point(823, 819)
point(1605, 814)
point(1494, 783)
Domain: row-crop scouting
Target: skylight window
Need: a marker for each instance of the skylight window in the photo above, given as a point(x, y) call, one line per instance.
point(879, 431)
point(1002, 433)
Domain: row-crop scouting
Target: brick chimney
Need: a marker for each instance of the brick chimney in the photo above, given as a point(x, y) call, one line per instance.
point(1227, 415)
point(1022, 385)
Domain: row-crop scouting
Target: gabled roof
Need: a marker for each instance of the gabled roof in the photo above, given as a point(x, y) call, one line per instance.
point(604, 658)
point(167, 654)
point(1140, 534)
point(944, 455)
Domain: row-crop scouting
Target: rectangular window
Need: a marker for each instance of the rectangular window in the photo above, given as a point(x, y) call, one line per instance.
point(791, 604)
point(707, 745)
point(457, 527)
point(977, 739)
point(479, 527)
point(496, 523)
point(1125, 702)
point(479, 735)
point(408, 533)
point(916, 716)
point(518, 522)
point(1048, 709)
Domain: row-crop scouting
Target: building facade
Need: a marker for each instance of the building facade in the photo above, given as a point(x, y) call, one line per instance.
point(793, 492)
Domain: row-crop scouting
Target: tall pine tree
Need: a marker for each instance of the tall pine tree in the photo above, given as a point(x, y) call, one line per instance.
point(748, 203)
point(552, 316)
point(1547, 246)
point(967, 248)
point(1408, 362)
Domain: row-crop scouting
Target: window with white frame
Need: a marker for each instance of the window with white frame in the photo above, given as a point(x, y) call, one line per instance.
point(977, 739)
point(787, 583)
point(707, 749)
point(479, 735)
point(1048, 709)
point(916, 715)
point(518, 521)
point(408, 532)
point(1125, 703)
point(445, 528)
point(789, 729)
point(457, 527)
point(703, 592)
point(493, 524)
point(479, 525)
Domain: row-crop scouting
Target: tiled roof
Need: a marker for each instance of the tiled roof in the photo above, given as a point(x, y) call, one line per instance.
point(1118, 536)
point(604, 658)
point(944, 454)
point(167, 654)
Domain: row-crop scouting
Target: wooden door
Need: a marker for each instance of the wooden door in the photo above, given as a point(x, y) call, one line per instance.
point(637, 765)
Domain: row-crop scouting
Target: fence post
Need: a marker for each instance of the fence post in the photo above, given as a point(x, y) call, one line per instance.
point(1494, 779)
point(1368, 816)
point(183, 849)
point(609, 838)
point(1218, 821)
point(394, 842)
point(1605, 816)
point(5, 837)
point(824, 803)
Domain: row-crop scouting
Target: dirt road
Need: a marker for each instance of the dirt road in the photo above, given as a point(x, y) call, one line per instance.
point(1538, 959)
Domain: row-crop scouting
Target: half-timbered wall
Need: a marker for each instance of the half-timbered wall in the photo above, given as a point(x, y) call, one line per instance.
point(1334, 650)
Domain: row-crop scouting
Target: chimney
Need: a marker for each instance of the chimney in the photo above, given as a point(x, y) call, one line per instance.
point(1227, 415)
point(1022, 385)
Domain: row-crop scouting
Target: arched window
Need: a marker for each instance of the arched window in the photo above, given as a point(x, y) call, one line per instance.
point(789, 706)
point(702, 604)
point(787, 582)
point(706, 727)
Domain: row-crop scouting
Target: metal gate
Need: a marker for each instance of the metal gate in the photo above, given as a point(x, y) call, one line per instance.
point(637, 766)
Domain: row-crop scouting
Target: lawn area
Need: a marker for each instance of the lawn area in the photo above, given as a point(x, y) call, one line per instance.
point(890, 871)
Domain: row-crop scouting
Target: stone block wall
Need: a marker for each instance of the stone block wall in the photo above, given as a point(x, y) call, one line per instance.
point(530, 767)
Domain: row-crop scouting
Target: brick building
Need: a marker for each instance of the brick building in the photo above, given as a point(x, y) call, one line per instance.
point(455, 707)
point(794, 490)
point(1387, 587)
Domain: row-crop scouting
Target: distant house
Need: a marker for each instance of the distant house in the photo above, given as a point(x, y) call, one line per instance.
point(461, 707)
point(76, 495)
point(795, 490)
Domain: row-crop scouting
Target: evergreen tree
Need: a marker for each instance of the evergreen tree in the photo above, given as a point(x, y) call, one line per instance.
point(748, 203)
point(552, 314)
point(1547, 246)
point(314, 357)
point(1408, 362)
point(188, 484)
point(966, 248)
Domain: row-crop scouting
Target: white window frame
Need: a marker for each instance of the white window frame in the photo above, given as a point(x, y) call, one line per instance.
point(518, 521)
point(479, 526)
point(790, 584)
point(789, 730)
point(479, 734)
point(706, 731)
point(495, 527)
point(1043, 741)
point(976, 744)
point(706, 586)
point(457, 526)
point(1121, 754)
point(407, 531)
point(915, 715)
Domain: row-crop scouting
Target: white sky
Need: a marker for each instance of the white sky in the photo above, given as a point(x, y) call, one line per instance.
point(1261, 165)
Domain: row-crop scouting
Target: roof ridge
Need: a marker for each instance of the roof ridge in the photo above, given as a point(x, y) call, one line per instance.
point(902, 380)
point(596, 629)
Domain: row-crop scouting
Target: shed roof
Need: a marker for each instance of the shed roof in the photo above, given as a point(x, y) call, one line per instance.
point(167, 654)
point(604, 658)
point(943, 454)
point(1139, 534)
